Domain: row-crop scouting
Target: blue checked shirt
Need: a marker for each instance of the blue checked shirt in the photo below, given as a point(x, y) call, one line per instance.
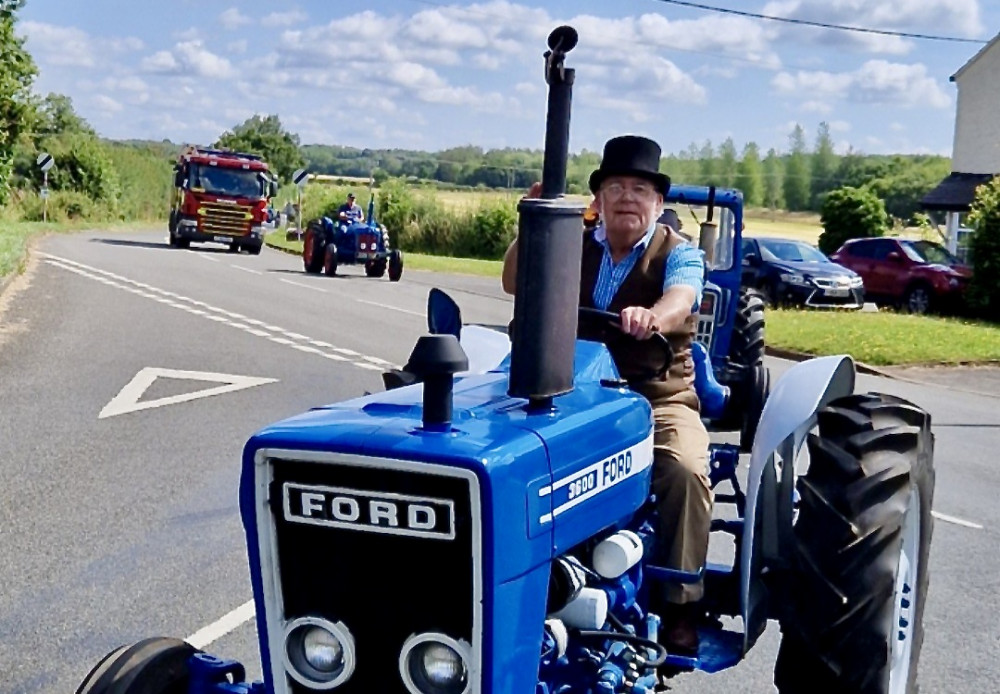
point(685, 265)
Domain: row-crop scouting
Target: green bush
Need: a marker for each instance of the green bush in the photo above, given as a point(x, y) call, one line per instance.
point(82, 164)
point(64, 206)
point(850, 213)
point(145, 173)
point(490, 231)
point(984, 245)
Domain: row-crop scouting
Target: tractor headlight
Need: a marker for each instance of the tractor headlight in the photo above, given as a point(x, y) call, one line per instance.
point(319, 654)
point(435, 664)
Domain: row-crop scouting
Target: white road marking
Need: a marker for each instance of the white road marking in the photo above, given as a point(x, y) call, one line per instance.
point(204, 257)
point(956, 521)
point(205, 636)
point(127, 399)
point(246, 269)
point(218, 315)
point(304, 286)
point(391, 308)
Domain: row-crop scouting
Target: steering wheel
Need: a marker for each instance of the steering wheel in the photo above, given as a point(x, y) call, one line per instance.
point(615, 320)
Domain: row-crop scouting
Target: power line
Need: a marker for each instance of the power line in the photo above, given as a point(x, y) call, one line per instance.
point(822, 25)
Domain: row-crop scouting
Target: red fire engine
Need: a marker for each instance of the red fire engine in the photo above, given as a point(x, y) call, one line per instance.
point(222, 197)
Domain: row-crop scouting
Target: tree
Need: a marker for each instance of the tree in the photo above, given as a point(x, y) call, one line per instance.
point(850, 213)
point(750, 176)
point(727, 163)
point(16, 77)
point(797, 189)
point(266, 137)
point(984, 292)
point(706, 164)
point(774, 175)
point(824, 166)
point(57, 116)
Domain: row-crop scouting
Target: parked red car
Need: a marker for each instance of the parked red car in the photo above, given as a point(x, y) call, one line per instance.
point(918, 276)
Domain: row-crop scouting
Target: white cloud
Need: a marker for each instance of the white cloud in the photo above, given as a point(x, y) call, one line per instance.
point(127, 83)
point(59, 45)
point(188, 58)
point(875, 82)
point(238, 47)
point(897, 127)
point(959, 17)
point(284, 19)
point(815, 106)
point(234, 19)
point(839, 126)
point(527, 88)
point(105, 103)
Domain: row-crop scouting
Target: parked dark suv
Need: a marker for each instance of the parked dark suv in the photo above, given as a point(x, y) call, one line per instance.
point(918, 276)
point(792, 272)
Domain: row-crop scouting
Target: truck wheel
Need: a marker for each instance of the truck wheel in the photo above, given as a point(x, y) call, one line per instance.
point(395, 265)
point(153, 666)
point(312, 251)
point(746, 350)
point(172, 224)
point(254, 250)
point(375, 268)
point(234, 247)
point(854, 618)
point(330, 260)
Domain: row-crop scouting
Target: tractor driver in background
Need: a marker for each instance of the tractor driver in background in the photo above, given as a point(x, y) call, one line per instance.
point(350, 212)
point(653, 279)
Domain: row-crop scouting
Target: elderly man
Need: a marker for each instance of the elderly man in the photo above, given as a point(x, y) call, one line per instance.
point(653, 279)
point(350, 212)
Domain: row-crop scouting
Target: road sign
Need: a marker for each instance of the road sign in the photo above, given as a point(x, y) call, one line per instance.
point(128, 400)
point(45, 161)
point(299, 177)
point(44, 193)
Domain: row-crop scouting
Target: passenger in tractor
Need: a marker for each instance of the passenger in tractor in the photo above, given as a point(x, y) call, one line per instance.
point(652, 278)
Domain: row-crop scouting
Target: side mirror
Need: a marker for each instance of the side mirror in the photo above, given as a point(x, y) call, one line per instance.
point(179, 178)
point(443, 315)
point(273, 190)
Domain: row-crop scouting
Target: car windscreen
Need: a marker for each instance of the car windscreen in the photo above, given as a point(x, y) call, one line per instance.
point(238, 183)
point(791, 251)
point(928, 252)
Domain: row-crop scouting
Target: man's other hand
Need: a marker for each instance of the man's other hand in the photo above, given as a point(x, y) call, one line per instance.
point(638, 322)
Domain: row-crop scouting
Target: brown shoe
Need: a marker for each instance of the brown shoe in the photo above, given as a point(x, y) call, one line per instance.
point(679, 629)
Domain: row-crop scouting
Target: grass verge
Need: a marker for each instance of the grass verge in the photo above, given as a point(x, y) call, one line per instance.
point(16, 236)
point(413, 261)
point(885, 338)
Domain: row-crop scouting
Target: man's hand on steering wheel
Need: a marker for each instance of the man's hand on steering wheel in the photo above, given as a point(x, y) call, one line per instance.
point(638, 322)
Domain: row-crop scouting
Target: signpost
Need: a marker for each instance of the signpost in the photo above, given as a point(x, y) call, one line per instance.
point(45, 163)
point(299, 178)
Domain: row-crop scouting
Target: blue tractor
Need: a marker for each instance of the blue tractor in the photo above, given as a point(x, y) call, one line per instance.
point(331, 243)
point(485, 525)
point(731, 318)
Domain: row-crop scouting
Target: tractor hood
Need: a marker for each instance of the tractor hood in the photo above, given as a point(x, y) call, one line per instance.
point(506, 488)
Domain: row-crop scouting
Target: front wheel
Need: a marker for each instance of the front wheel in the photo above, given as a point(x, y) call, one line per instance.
point(312, 251)
point(375, 268)
point(918, 299)
point(853, 622)
point(153, 666)
point(395, 266)
point(330, 260)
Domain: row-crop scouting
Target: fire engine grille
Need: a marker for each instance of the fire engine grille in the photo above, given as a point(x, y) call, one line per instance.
point(336, 558)
point(222, 218)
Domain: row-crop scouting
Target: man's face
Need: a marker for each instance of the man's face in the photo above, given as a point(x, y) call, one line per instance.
point(628, 206)
point(350, 202)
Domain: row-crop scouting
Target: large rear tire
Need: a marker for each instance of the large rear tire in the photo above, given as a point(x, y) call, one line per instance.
point(330, 260)
point(312, 251)
point(395, 265)
point(746, 351)
point(153, 666)
point(854, 622)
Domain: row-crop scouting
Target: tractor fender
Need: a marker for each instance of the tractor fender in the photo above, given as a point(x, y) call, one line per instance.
point(788, 416)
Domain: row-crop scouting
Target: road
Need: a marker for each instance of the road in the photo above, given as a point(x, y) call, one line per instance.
point(117, 527)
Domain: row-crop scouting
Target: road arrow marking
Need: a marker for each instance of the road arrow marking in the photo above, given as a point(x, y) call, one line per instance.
point(128, 399)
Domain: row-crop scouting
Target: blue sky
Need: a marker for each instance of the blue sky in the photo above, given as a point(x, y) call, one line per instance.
point(431, 74)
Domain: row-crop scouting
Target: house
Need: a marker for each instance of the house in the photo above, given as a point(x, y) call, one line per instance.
point(976, 151)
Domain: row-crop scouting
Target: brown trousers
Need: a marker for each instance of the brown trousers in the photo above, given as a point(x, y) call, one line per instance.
point(683, 490)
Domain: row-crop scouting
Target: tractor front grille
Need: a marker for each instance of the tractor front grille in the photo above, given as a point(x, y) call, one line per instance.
point(225, 218)
point(335, 554)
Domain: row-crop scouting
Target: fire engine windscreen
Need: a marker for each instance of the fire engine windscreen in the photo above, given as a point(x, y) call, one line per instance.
point(238, 183)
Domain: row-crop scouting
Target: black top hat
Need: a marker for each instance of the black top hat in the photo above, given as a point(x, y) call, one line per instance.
point(631, 155)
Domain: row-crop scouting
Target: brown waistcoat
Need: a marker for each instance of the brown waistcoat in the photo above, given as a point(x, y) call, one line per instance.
point(643, 286)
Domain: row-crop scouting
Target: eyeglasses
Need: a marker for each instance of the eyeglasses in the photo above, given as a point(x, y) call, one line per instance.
point(643, 191)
